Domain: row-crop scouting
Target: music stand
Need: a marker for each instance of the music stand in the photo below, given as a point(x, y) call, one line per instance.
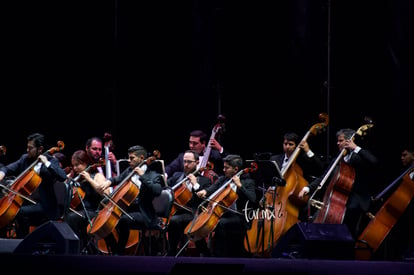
point(268, 175)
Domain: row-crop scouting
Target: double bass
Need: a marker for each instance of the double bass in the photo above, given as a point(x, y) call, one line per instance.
point(218, 202)
point(387, 216)
point(333, 207)
point(124, 194)
point(282, 202)
point(204, 163)
point(21, 188)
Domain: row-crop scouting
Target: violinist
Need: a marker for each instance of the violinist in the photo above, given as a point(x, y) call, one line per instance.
point(232, 226)
point(194, 181)
point(359, 198)
point(141, 210)
point(85, 184)
point(50, 172)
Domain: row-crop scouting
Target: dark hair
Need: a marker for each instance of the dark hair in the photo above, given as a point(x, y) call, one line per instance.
point(291, 137)
point(38, 139)
point(137, 150)
point(195, 154)
point(200, 134)
point(234, 161)
point(90, 140)
point(62, 158)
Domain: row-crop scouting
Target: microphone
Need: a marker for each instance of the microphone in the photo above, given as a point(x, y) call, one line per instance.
point(278, 181)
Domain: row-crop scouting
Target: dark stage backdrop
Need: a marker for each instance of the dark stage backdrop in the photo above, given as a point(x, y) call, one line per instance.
point(149, 72)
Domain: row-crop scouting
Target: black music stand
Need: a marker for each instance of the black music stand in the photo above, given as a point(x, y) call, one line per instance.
point(268, 175)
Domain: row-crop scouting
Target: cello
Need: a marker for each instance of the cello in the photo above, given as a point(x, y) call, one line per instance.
point(21, 188)
point(218, 202)
point(123, 195)
point(182, 195)
point(387, 216)
point(77, 193)
point(333, 207)
point(204, 163)
point(281, 202)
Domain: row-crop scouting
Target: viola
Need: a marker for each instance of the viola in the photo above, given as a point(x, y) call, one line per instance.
point(282, 201)
point(387, 216)
point(123, 195)
point(217, 129)
point(218, 202)
point(333, 207)
point(21, 188)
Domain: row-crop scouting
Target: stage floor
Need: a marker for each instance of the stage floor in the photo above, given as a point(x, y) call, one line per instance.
point(102, 264)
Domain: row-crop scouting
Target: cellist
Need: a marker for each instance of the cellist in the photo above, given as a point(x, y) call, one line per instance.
point(186, 183)
point(85, 182)
point(141, 212)
point(49, 170)
point(362, 162)
point(230, 230)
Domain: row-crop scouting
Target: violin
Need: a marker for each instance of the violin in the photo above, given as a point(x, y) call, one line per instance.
point(282, 201)
point(123, 195)
point(21, 188)
point(333, 207)
point(218, 202)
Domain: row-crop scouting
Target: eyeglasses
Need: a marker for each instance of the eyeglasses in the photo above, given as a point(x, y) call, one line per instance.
point(186, 161)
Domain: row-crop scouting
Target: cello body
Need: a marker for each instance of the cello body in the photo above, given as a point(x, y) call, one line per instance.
point(208, 219)
point(385, 218)
point(218, 203)
point(108, 217)
point(10, 205)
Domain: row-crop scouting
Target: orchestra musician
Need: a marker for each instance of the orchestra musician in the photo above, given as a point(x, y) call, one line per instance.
point(231, 228)
point(193, 181)
point(47, 167)
point(141, 212)
point(359, 198)
point(198, 142)
point(85, 182)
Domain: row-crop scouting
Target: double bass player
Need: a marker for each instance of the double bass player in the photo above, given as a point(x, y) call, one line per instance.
point(362, 164)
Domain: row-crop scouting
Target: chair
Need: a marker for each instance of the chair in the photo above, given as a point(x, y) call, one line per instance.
point(162, 205)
